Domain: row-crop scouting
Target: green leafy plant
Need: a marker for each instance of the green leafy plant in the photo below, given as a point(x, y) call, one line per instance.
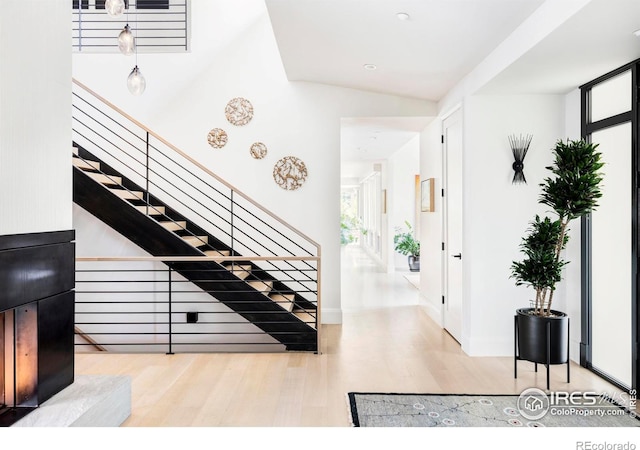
point(349, 227)
point(405, 242)
point(572, 191)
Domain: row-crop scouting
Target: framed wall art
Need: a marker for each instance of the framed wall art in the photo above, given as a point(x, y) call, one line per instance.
point(427, 189)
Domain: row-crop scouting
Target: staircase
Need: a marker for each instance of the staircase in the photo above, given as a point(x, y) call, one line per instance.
point(267, 289)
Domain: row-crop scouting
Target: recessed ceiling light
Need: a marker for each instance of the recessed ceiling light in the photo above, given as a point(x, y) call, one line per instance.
point(403, 16)
point(370, 66)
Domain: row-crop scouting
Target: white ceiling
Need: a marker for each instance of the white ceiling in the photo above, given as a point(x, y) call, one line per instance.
point(373, 138)
point(329, 41)
point(597, 39)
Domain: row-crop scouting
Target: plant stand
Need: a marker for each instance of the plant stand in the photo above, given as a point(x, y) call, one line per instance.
point(547, 361)
point(414, 263)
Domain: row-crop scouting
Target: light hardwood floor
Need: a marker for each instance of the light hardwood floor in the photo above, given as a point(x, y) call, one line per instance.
point(379, 348)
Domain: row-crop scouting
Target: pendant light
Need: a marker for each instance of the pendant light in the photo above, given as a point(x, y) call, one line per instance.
point(136, 82)
point(126, 41)
point(115, 8)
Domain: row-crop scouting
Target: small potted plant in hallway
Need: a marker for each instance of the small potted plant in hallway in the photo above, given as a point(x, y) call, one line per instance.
point(406, 244)
point(571, 192)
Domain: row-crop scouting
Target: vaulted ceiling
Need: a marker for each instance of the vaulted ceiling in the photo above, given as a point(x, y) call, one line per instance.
point(441, 41)
point(422, 56)
point(423, 48)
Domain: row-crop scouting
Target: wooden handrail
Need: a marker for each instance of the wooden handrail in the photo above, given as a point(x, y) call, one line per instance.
point(197, 164)
point(196, 258)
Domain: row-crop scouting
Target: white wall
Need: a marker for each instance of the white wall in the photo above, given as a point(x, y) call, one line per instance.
point(300, 119)
point(35, 116)
point(402, 167)
point(497, 212)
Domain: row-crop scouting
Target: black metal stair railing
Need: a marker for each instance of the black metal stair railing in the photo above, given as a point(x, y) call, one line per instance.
point(141, 304)
point(266, 302)
point(158, 25)
point(237, 223)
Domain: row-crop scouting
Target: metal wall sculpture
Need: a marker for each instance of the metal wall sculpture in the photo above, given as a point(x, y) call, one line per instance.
point(519, 148)
point(217, 138)
point(258, 150)
point(290, 173)
point(239, 111)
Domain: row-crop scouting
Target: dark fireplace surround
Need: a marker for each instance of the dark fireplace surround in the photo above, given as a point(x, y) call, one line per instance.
point(37, 278)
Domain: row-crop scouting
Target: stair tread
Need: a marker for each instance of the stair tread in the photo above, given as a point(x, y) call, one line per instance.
point(284, 300)
point(86, 164)
point(262, 286)
point(305, 317)
point(153, 210)
point(289, 297)
point(75, 150)
point(241, 271)
point(174, 226)
point(243, 266)
point(217, 252)
point(105, 179)
point(196, 241)
point(128, 195)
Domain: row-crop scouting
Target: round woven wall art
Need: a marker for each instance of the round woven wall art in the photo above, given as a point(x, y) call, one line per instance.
point(239, 111)
point(258, 150)
point(290, 173)
point(217, 138)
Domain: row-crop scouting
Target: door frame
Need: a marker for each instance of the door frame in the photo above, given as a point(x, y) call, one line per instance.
point(445, 214)
point(587, 128)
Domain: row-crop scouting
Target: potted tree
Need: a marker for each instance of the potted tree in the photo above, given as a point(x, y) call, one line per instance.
point(571, 192)
point(406, 244)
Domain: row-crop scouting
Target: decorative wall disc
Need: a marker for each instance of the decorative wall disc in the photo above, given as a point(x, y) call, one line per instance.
point(239, 111)
point(258, 150)
point(290, 173)
point(217, 138)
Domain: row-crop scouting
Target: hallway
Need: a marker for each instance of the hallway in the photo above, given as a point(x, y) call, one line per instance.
point(365, 285)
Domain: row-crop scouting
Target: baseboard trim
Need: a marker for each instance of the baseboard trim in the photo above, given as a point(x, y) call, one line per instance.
point(433, 310)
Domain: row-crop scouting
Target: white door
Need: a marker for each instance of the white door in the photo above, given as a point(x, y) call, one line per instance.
point(452, 184)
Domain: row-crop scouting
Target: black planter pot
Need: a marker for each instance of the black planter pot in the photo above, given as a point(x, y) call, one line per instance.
point(414, 263)
point(532, 337)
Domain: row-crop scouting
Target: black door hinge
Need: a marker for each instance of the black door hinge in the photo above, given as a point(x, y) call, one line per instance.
point(443, 299)
point(443, 192)
point(443, 246)
point(442, 138)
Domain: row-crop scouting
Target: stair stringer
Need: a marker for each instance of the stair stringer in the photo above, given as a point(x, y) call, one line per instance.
point(155, 239)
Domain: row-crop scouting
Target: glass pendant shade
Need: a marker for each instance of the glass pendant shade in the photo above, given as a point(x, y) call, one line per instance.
point(115, 8)
point(136, 82)
point(126, 41)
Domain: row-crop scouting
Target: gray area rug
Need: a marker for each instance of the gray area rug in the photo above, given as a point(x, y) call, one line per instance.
point(454, 410)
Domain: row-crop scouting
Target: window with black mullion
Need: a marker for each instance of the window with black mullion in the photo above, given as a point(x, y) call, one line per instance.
point(75, 4)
